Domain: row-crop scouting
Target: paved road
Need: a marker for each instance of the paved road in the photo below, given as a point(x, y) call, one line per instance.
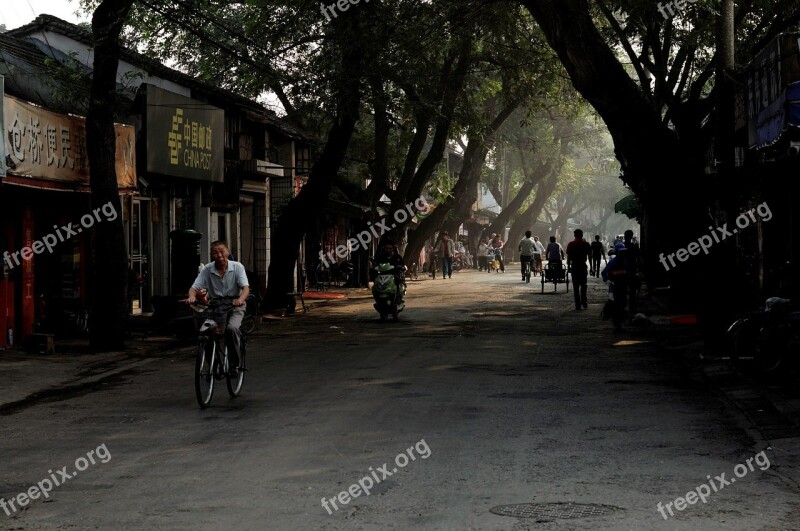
point(503, 396)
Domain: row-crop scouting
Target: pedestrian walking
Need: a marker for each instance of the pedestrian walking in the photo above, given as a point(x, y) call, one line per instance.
point(578, 251)
point(526, 248)
point(446, 249)
point(483, 252)
point(598, 251)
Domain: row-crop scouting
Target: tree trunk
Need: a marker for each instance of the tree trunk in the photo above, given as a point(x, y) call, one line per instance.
point(532, 178)
point(110, 263)
point(664, 174)
point(414, 178)
point(301, 213)
point(465, 192)
point(527, 220)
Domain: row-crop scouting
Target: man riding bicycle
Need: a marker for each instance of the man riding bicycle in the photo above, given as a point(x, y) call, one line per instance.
point(526, 249)
point(224, 278)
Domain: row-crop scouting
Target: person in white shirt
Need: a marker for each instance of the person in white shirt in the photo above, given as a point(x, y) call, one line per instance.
point(538, 253)
point(526, 248)
point(483, 251)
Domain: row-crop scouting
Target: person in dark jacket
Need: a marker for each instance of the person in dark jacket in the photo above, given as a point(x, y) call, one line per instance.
point(577, 255)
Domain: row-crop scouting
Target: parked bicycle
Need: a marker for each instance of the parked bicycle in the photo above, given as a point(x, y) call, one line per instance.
point(251, 313)
point(433, 264)
point(212, 362)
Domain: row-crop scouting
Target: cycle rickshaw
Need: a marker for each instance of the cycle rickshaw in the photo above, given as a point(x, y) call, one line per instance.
point(557, 273)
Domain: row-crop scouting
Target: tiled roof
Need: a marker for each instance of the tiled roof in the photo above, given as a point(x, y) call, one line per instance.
point(222, 97)
point(12, 50)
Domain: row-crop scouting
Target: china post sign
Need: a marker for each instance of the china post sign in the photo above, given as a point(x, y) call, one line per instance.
point(184, 136)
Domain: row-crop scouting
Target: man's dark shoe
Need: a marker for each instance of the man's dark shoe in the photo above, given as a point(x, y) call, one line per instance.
point(585, 306)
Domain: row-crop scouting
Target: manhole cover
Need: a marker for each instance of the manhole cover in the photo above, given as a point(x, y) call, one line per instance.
point(553, 510)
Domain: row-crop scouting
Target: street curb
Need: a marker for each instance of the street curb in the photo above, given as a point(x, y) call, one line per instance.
point(58, 391)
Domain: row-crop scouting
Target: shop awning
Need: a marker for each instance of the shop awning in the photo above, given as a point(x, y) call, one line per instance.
point(628, 205)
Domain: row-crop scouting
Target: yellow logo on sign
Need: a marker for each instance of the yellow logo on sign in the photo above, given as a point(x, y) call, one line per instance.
point(193, 138)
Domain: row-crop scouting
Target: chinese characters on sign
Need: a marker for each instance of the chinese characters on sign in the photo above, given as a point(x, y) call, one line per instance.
point(49, 145)
point(189, 142)
point(184, 136)
point(53, 149)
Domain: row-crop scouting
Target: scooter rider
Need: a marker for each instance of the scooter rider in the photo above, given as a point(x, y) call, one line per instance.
point(387, 254)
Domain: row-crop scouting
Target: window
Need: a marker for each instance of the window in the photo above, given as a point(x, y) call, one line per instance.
point(183, 210)
point(302, 160)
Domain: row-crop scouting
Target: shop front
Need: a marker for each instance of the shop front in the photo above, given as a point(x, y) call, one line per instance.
point(46, 215)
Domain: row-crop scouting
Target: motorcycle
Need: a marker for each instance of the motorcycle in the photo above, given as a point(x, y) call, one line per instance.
point(387, 291)
point(458, 261)
point(770, 337)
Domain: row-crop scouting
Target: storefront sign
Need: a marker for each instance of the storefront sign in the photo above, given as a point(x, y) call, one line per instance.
point(52, 146)
point(184, 136)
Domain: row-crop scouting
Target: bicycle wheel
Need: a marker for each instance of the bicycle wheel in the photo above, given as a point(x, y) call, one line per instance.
point(235, 384)
point(248, 324)
point(204, 372)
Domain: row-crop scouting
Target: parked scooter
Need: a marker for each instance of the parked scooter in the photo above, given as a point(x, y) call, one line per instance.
point(770, 337)
point(387, 291)
point(458, 261)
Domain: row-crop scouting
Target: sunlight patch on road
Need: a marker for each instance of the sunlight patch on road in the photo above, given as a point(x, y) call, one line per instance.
point(385, 381)
point(629, 342)
point(442, 367)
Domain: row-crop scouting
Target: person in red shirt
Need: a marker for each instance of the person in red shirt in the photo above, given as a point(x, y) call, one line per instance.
point(578, 251)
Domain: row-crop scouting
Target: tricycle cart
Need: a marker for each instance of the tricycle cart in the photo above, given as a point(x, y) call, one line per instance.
point(556, 273)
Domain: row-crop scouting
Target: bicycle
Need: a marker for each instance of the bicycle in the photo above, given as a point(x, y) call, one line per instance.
point(211, 363)
point(433, 265)
point(537, 260)
point(526, 271)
